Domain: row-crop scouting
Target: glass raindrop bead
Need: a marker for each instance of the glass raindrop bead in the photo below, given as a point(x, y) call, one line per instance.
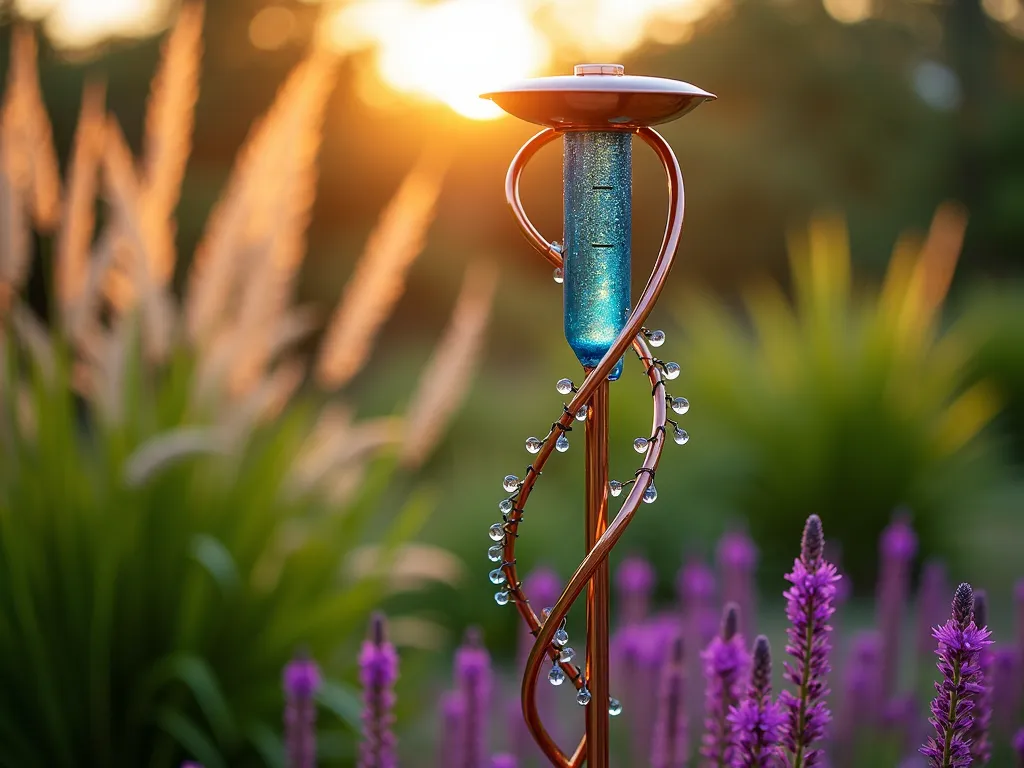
point(614, 707)
point(614, 487)
point(510, 483)
point(545, 613)
point(583, 697)
point(640, 444)
point(533, 444)
point(556, 676)
point(495, 553)
point(497, 576)
point(561, 637)
point(681, 436)
point(581, 414)
point(558, 275)
point(566, 655)
point(562, 444)
point(564, 386)
point(680, 405)
point(505, 506)
point(497, 532)
point(651, 494)
point(657, 338)
point(501, 598)
point(672, 371)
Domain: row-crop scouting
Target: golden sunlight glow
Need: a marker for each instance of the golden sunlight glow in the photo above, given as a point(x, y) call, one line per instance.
point(271, 28)
point(848, 11)
point(452, 50)
point(82, 23)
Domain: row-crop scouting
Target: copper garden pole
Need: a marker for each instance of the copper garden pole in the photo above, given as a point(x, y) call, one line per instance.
point(596, 111)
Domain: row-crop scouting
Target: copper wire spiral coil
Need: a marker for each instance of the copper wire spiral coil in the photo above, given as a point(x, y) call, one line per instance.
point(631, 336)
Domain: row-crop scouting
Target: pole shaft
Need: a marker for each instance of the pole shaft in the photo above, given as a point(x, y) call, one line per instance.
point(598, 589)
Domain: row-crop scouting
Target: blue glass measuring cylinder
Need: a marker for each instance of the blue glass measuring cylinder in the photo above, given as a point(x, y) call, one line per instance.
point(597, 178)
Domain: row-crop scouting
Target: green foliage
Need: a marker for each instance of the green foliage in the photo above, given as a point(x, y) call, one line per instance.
point(146, 611)
point(841, 403)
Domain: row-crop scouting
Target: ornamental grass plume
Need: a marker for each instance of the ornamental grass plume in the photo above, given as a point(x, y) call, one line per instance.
point(897, 547)
point(757, 721)
point(670, 745)
point(736, 557)
point(809, 604)
point(978, 735)
point(634, 581)
point(960, 645)
point(473, 682)
point(378, 671)
point(726, 664)
point(301, 682)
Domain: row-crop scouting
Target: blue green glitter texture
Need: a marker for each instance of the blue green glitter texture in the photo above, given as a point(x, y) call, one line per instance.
point(597, 177)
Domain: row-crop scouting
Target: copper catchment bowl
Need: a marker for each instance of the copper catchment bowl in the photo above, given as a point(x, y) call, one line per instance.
point(598, 97)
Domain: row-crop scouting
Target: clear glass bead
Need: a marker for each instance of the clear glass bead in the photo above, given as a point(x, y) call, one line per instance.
point(545, 613)
point(556, 676)
point(640, 444)
point(651, 494)
point(583, 696)
point(672, 371)
point(510, 483)
point(680, 436)
point(505, 506)
point(614, 707)
point(566, 655)
point(497, 576)
point(501, 598)
point(680, 405)
point(657, 338)
point(562, 444)
point(495, 553)
point(614, 487)
point(497, 532)
point(581, 414)
point(561, 637)
point(564, 386)
point(533, 444)
point(558, 275)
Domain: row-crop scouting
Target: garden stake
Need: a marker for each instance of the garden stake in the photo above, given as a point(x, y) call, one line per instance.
point(596, 111)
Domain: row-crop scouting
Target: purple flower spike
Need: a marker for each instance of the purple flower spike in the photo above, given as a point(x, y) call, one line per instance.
point(669, 748)
point(1018, 594)
point(809, 605)
point(737, 562)
point(1005, 688)
point(503, 761)
point(190, 764)
point(862, 699)
point(897, 547)
point(634, 580)
point(473, 679)
point(757, 721)
point(726, 664)
point(981, 749)
point(960, 645)
point(932, 604)
point(378, 671)
point(453, 714)
point(543, 586)
point(1018, 747)
point(301, 682)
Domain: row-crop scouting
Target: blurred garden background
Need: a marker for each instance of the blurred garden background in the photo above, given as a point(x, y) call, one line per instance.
point(271, 338)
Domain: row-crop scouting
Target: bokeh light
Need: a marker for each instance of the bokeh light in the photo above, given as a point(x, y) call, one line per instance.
point(271, 28)
point(83, 23)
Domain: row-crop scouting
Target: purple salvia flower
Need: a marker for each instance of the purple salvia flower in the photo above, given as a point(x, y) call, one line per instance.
point(473, 681)
point(503, 761)
point(809, 605)
point(698, 596)
point(736, 557)
point(453, 714)
point(670, 746)
point(191, 764)
point(981, 749)
point(543, 586)
point(301, 681)
point(757, 721)
point(1005, 687)
point(652, 647)
point(1018, 595)
point(897, 547)
point(1018, 747)
point(862, 697)
point(932, 604)
point(634, 581)
point(960, 645)
point(726, 664)
point(378, 671)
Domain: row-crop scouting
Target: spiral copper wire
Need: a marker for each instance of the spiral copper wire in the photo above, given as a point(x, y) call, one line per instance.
point(601, 536)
